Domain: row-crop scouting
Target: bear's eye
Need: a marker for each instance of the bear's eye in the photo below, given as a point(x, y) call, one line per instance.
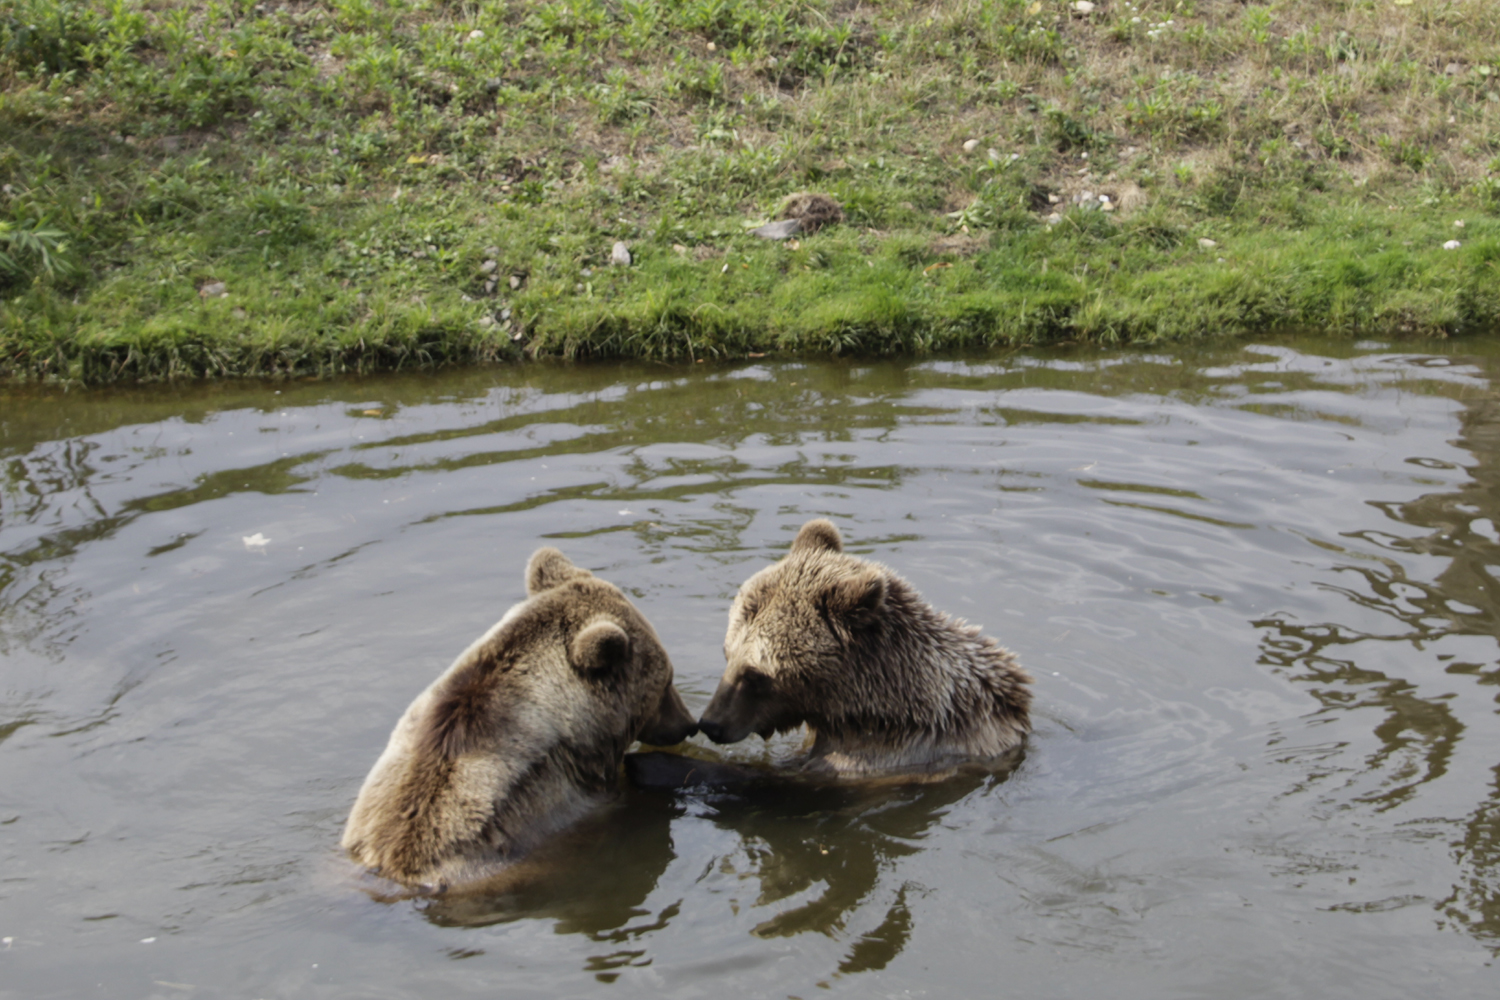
point(756, 684)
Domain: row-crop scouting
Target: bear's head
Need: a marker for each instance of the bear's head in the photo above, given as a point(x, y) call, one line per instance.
point(790, 632)
point(575, 660)
point(609, 642)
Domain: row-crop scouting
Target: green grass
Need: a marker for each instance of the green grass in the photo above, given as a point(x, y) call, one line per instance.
point(346, 169)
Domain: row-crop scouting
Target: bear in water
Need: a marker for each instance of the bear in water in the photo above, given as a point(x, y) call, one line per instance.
point(884, 682)
point(521, 736)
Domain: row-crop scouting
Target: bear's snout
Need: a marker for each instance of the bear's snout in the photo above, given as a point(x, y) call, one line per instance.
point(738, 708)
point(672, 723)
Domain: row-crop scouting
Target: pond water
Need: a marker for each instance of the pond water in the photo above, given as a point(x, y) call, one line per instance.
point(1256, 584)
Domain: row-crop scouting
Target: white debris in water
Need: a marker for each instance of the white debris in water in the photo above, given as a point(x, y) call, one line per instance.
point(253, 543)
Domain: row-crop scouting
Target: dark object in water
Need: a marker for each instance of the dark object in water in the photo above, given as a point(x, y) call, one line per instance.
point(667, 771)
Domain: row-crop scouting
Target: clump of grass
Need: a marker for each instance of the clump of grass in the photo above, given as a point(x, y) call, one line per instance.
point(379, 184)
point(31, 247)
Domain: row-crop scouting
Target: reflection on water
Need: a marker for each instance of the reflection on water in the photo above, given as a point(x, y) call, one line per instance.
point(626, 849)
point(1418, 730)
point(1254, 582)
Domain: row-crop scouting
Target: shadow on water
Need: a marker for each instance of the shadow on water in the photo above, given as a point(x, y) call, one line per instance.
point(1418, 734)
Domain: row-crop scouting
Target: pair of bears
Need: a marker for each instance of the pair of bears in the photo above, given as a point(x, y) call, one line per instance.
point(526, 731)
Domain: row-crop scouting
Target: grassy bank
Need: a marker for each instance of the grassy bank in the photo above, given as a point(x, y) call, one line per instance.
point(353, 184)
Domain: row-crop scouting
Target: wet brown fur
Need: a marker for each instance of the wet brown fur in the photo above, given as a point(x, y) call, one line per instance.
point(523, 734)
point(884, 682)
point(812, 210)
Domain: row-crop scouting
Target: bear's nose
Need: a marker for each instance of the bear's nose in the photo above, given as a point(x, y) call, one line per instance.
point(712, 730)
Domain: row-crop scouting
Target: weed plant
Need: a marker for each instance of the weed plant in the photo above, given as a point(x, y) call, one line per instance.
point(235, 187)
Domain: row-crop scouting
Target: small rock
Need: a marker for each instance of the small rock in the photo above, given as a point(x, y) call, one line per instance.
point(239, 313)
point(475, 35)
point(493, 85)
point(971, 145)
point(587, 272)
point(1458, 223)
point(1107, 206)
point(712, 47)
point(1104, 198)
point(214, 290)
point(785, 229)
point(489, 288)
point(1453, 69)
point(1452, 245)
point(679, 249)
point(488, 266)
point(1083, 6)
point(486, 321)
point(515, 282)
point(492, 251)
point(619, 255)
point(1053, 199)
point(1053, 219)
point(505, 313)
point(1207, 243)
point(993, 154)
point(518, 336)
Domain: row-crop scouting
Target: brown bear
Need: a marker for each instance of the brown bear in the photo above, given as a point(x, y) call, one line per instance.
point(521, 736)
point(884, 682)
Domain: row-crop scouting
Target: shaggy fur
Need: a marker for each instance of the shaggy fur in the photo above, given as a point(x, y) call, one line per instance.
point(522, 735)
point(883, 681)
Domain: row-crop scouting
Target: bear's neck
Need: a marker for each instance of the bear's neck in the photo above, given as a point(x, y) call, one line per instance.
point(917, 689)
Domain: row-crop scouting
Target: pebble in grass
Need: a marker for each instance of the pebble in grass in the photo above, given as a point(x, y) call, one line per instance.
point(1452, 245)
point(619, 255)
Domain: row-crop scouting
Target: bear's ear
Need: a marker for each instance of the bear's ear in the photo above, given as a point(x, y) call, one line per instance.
point(547, 569)
point(859, 597)
point(818, 536)
point(599, 648)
